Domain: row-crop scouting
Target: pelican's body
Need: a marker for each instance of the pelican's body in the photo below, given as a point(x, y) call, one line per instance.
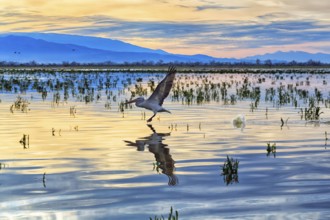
point(155, 101)
point(150, 105)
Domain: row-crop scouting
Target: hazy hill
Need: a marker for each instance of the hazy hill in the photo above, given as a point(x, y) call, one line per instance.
point(25, 49)
point(58, 48)
point(91, 42)
point(298, 56)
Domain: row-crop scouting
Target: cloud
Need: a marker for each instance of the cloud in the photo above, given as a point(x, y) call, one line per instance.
point(279, 32)
point(267, 30)
point(274, 16)
point(217, 7)
point(248, 34)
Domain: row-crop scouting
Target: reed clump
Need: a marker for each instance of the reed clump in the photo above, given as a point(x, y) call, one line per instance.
point(230, 171)
point(271, 149)
point(171, 216)
point(20, 105)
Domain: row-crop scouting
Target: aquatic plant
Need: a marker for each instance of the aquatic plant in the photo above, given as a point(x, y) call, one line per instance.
point(25, 141)
point(44, 180)
point(152, 85)
point(171, 216)
point(62, 85)
point(230, 171)
point(44, 95)
point(107, 105)
point(73, 111)
point(56, 98)
point(20, 105)
point(326, 138)
point(311, 113)
point(122, 106)
point(326, 135)
point(271, 149)
point(286, 122)
point(2, 166)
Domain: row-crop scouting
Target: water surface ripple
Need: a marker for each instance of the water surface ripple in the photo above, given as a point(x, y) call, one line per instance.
point(86, 158)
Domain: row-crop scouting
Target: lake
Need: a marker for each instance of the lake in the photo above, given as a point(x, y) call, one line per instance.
point(71, 149)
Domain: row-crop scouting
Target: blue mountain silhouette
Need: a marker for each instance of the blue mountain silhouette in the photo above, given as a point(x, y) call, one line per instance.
point(58, 48)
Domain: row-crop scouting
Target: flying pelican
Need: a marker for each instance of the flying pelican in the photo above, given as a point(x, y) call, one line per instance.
point(155, 101)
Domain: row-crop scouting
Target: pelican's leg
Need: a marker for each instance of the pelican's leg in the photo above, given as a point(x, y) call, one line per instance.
point(150, 119)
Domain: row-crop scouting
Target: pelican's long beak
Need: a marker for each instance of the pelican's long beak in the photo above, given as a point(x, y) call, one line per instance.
point(133, 100)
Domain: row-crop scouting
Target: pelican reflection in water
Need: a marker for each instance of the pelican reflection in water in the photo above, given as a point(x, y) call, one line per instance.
point(164, 160)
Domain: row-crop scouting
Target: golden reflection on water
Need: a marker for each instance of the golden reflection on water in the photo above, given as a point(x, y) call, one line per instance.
point(99, 136)
point(96, 133)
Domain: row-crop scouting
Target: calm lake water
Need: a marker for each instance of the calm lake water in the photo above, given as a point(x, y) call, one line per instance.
point(84, 156)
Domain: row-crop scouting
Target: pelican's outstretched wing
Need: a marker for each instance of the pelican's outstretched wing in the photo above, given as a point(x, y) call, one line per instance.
point(164, 87)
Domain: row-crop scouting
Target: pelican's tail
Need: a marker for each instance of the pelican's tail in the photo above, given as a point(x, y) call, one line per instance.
point(164, 110)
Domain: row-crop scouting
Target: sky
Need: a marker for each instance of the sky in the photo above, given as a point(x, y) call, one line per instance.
point(219, 28)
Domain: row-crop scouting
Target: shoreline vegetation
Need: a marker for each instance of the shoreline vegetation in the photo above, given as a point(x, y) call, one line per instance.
point(148, 69)
point(197, 67)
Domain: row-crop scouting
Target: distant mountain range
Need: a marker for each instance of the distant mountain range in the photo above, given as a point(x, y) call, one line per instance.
point(298, 56)
point(58, 48)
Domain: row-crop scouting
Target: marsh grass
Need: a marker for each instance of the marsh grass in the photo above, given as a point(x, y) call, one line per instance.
point(171, 216)
point(271, 149)
point(311, 113)
point(91, 85)
point(20, 105)
point(230, 171)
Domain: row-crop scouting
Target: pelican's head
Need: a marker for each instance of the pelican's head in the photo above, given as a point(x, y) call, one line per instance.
point(137, 101)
